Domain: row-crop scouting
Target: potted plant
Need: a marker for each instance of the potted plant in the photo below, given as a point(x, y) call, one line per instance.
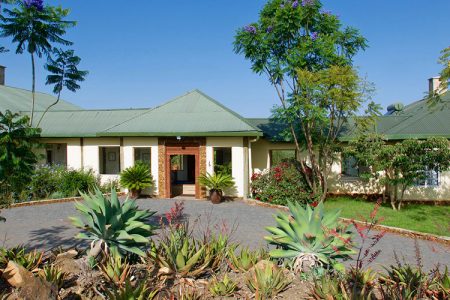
point(216, 183)
point(136, 178)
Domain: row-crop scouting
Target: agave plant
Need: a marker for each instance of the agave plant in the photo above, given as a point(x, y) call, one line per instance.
point(216, 183)
point(267, 282)
point(136, 178)
point(310, 238)
point(112, 226)
point(222, 288)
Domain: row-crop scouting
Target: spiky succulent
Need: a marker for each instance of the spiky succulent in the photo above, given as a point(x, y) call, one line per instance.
point(216, 181)
point(113, 226)
point(309, 238)
point(136, 178)
point(267, 282)
point(246, 258)
point(222, 288)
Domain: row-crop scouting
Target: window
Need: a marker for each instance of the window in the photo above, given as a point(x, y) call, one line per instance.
point(278, 156)
point(222, 160)
point(351, 168)
point(143, 155)
point(56, 154)
point(109, 160)
point(431, 178)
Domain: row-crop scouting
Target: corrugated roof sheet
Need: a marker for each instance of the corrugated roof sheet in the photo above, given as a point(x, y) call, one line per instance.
point(17, 100)
point(191, 114)
point(83, 123)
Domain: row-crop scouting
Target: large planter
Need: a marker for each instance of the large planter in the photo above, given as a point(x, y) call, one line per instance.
point(215, 196)
point(135, 194)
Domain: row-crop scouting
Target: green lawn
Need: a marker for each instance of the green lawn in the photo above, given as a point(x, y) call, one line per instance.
point(423, 218)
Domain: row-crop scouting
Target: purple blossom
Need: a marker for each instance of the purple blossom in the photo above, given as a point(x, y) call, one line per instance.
point(250, 28)
point(314, 35)
point(282, 5)
point(38, 4)
point(295, 4)
point(307, 2)
point(269, 29)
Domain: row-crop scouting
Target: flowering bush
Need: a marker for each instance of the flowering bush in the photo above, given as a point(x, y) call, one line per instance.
point(281, 184)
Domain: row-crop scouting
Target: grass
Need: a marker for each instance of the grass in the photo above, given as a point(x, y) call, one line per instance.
point(417, 217)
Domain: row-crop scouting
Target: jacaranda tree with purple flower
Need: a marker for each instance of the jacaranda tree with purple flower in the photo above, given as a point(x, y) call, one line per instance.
point(307, 54)
point(34, 28)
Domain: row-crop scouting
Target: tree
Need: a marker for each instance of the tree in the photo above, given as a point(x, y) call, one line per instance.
point(401, 165)
point(307, 54)
point(64, 74)
point(444, 60)
point(34, 28)
point(17, 159)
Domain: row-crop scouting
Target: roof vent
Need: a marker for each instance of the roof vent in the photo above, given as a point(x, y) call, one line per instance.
point(396, 107)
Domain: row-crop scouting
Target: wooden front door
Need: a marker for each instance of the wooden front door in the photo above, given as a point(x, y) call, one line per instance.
point(181, 150)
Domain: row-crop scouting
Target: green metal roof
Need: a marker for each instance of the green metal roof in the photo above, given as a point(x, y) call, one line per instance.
point(17, 100)
point(83, 123)
point(272, 130)
point(192, 114)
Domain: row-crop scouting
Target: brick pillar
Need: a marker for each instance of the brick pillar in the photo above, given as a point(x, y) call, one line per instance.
point(161, 169)
point(202, 165)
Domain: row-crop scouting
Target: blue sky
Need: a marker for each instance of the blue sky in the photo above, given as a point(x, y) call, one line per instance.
point(147, 52)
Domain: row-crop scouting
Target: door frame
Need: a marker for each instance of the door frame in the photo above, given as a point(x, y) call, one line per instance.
point(182, 150)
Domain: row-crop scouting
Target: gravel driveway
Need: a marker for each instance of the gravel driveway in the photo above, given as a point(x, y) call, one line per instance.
point(47, 226)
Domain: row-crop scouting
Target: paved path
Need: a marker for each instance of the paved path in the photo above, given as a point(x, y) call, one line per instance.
point(47, 226)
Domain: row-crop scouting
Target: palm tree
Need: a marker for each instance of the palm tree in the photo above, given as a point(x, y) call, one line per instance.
point(64, 74)
point(34, 27)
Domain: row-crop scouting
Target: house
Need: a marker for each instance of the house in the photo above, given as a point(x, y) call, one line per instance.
point(194, 134)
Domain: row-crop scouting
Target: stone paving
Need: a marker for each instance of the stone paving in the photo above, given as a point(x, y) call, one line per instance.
point(47, 226)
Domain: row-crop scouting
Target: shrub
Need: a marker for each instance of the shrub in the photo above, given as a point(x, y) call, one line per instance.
point(116, 227)
point(310, 238)
point(46, 181)
point(282, 184)
point(75, 181)
point(136, 178)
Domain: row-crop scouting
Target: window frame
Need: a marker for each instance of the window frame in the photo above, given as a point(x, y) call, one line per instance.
point(104, 158)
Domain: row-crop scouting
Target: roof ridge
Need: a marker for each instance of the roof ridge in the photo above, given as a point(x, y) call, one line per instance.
point(228, 110)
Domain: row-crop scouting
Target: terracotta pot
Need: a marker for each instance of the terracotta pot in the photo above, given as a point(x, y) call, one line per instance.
point(135, 194)
point(215, 196)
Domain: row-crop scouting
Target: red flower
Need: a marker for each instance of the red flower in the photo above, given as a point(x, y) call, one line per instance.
point(314, 204)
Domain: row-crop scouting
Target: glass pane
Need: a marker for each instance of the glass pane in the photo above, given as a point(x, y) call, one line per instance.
point(222, 160)
point(278, 156)
point(143, 155)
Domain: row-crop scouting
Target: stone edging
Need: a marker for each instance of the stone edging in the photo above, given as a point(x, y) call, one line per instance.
point(405, 232)
point(52, 201)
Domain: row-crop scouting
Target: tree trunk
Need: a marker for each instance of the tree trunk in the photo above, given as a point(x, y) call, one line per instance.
point(33, 88)
point(48, 108)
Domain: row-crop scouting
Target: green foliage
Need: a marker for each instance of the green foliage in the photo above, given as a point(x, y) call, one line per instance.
point(282, 184)
point(136, 178)
point(139, 292)
point(45, 181)
point(306, 54)
point(309, 238)
point(404, 282)
point(329, 287)
point(64, 73)
point(53, 275)
point(216, 181)
point(35, 29)
point(267, 282)
point(17, 159)
point(75, 182)
point(400, 165)
point(179, 255)
point(118, 227)
point(29, 260)
point(222, 288)
point(246, 258)
point(116, 270)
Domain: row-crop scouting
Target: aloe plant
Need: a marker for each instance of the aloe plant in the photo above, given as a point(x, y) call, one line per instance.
point(116, 270)
point(309, 238)
point(267, 282)
point(222, 288)
point(136, 178)
point(180, 255)
point(29, 260)
point(128, 291)
point(246, 259)
point(112, 226)
point(53, 275)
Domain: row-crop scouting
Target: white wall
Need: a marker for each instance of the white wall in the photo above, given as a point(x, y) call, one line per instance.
point(237, 160)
